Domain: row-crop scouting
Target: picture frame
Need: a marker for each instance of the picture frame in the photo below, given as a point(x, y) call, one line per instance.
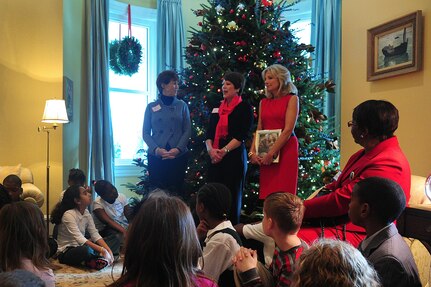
point(395, 47)
point(68, 96)
point(265, 139)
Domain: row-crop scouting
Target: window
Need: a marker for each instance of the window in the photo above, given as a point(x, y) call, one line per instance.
point(299, 15)
point(129, 96)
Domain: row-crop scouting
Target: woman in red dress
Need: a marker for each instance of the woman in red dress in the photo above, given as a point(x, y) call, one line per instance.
point(278, 111)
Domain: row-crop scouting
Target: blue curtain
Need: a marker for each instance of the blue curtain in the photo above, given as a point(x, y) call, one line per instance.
point(100, 153)
point(170, 35)
point(326, 37)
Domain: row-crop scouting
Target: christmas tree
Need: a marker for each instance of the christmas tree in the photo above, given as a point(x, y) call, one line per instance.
point(247, 36)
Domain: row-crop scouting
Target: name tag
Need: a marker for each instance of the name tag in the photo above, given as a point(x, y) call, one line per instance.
point(215, 111)
point(156, 108)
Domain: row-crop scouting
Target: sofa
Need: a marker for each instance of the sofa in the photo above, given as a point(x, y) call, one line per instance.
point(420, 253)
point(30, 191)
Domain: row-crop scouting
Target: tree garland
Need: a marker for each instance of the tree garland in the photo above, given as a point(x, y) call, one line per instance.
point(125, 56)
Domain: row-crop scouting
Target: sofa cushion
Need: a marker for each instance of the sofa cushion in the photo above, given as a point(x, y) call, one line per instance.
point(6, 170)
point(26, 175)
point(422, 259)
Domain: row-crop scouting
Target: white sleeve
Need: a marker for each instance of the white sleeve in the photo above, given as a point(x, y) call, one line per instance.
point(217, 255)
point(97, 204)
point(123, 199)
point(255, 231)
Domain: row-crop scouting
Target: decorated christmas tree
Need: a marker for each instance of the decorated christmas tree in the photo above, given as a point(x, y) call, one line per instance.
point(247, 36)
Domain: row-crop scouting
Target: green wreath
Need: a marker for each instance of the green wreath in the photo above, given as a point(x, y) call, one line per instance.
point(125, 56)
point(113, 60)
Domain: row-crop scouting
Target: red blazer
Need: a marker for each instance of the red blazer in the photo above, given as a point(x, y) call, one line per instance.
point(385, 160)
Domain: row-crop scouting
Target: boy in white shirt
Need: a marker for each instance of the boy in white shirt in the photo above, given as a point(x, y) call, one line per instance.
point(110, 212)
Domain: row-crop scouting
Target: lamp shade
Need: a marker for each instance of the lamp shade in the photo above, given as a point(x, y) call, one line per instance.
point(55, 112)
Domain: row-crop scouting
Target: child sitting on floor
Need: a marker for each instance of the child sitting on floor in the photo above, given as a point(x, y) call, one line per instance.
point(13, 185)
point(283, 213)
point(23, 242)
point(162, 248)
point(76, 177)
point(110, 210)
point(74, 220)
point(222, 242)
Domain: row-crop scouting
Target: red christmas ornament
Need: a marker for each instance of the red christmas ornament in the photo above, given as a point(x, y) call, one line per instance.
point(276, 54)
point(266, 3)
point(243, 16)
point(263, 21)
point(200, 24)
point(242, 58)
point(231, 11)
point(196, 54)
point(203, 47)
point(243, 43)
point(238, 43)
point(191, 77)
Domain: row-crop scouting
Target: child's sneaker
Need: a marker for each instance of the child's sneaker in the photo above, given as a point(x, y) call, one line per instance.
point(97, 263)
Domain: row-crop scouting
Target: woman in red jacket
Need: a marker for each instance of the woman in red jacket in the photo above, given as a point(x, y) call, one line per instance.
point(372, 126)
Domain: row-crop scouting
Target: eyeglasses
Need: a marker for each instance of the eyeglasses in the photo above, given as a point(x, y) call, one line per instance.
point(351, 123)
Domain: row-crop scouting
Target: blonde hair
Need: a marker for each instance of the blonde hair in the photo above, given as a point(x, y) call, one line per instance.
point(284, 79)
point(333, 263)
point(285, 209)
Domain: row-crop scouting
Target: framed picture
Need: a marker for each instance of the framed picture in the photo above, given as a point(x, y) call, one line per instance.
point(265, 139)
point(68, 96)
point(395, 47)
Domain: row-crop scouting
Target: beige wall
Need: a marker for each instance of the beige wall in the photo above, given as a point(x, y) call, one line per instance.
point(31, 71)
point(410, 93)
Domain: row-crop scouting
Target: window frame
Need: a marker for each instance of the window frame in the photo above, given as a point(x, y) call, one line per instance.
point(145, 17)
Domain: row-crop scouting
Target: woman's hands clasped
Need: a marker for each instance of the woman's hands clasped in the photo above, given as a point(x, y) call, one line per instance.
point(216, 155)
point(267, 159)
point(164, 154)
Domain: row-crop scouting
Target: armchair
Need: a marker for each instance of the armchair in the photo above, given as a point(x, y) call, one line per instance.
point(30, 191)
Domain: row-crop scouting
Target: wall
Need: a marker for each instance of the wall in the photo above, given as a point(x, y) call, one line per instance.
point(31, 71)
point(75, 133)
point(410, 93)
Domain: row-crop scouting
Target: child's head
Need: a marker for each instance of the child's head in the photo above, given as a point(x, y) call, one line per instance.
point(285, 210)
point(22, 234)
point(213, 200)
point(333, 263)
point(378, 199)
point(75, 196)
point(76, 177)
point(13, 184)
point(20, 278)
point(106, 191)
point(162, 247)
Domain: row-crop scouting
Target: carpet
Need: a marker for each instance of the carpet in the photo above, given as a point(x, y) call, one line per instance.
point(68, 276)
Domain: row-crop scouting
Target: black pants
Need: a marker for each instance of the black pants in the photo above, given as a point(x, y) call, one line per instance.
point(75, 256)
point(231, 172)
point(168, 174)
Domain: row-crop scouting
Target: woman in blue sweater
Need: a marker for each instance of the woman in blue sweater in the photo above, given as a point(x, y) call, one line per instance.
point(166, 131)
